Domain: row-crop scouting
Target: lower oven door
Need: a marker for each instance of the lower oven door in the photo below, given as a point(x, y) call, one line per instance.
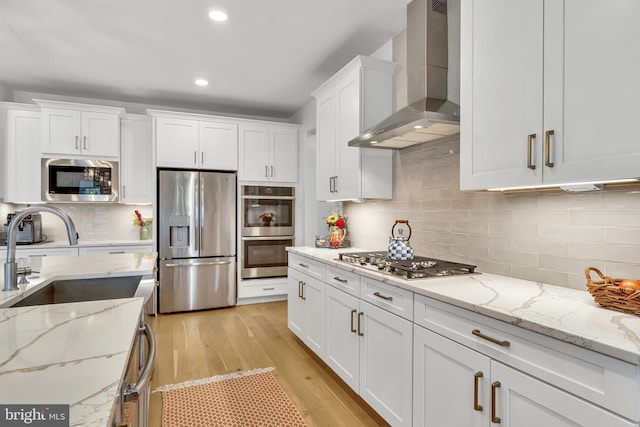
point(265, 256)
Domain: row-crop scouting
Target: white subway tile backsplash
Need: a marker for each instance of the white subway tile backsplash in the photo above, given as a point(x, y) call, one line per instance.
point(548, 236)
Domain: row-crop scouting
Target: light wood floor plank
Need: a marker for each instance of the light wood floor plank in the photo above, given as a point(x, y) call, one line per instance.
point(214, 342)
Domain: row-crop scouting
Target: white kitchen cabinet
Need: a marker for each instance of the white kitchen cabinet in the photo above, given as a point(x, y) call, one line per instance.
point(136, 161)
point(200, 144)
point(536, 108)
point(466, 364)
point(370, 349)
point(21, 160)
point(79, 129)
point(31, 252)
point(268, 153)
point(353, 100)
point(110, 250)
point(455, 385)
point(306, 309)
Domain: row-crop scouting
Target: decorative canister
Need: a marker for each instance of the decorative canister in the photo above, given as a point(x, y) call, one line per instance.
point(144, 233)
point(336, 236)
point(399, 246)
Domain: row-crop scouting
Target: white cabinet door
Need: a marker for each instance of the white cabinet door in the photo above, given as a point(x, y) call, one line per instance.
point(283, 154)
point(218, 146)
point(136, 163)
point(501, 89)
point(254, 153)
point(591, 106)
point(450, 382)
point(176, 142)
point(61, 131)
point(313, 296)
point(523, 401)
point(349, 118)
point(42, 252)
point(342, 344)
point(22, 162)
point(386, 354)
point(326, 154)
point(100, 134)
point(295, 303)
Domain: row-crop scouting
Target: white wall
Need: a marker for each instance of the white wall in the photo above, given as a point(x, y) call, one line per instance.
point(546, 236)
point(5, 93)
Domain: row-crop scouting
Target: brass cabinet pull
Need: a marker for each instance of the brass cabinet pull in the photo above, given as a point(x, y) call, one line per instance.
point(530, 139)
point(384, 297)
point(495, 385)
point(340, 280)
point(359, 317)
point(303, 295)
point(476, 377)
point(352, 313)
point(547, 148)
point(503, 343)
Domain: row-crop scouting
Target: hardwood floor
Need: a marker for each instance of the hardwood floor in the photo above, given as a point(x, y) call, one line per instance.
point(213, 342)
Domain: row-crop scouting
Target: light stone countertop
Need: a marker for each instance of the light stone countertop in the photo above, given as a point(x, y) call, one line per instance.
point(63, 243)
point(75, 353)
point(570, 315)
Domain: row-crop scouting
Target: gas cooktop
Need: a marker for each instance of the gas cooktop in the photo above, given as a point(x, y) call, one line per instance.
point(416, 268)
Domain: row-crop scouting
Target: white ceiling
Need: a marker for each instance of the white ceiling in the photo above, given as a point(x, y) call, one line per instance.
point(265, 60)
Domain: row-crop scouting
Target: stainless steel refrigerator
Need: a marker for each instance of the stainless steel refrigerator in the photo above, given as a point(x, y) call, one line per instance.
point(196, 240)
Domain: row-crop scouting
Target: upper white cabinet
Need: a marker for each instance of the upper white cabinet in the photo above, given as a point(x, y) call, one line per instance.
point(268, 153)
point(21, 160)
point(79, 129)
point(136, 161)
point(353, 100)
point(537, 108)
point(195, 143)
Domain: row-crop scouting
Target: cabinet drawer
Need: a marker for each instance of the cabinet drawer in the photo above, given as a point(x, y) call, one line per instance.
point(306, 265)
point(397, 301)
point(601, 379)
point(249, 290)
point(343, 280)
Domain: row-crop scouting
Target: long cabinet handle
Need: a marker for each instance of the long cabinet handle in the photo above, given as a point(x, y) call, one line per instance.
point(354, 311)
point(84, 142)
point(299, 289)
point(476, 377)
point(494, 419)
point(340, 280)
point(195, 157)
point(503, 343)
point(384, 297)
point(304, 297)
point(530, 139)
point(77, 146)
point(360, 333)
point(271, 171)
point(124, 191)
point(547, 148)
point(266, 171)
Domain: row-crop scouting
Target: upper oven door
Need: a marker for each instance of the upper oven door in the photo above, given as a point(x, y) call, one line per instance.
point(76, 180)
point(267, 211)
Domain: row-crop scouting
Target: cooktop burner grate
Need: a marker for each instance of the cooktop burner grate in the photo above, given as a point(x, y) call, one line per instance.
point(416, 268)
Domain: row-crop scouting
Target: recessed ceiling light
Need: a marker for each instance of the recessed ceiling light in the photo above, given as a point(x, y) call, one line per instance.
point(218, 15)
point(201, 82)
point(418, 127)
point(373, 142)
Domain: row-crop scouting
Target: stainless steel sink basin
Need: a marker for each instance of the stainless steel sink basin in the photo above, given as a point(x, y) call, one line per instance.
point(61, 291)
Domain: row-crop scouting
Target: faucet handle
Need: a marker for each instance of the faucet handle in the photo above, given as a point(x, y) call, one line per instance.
point(23, 273)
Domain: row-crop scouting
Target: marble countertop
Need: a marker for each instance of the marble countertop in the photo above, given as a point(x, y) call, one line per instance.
point(73, 353)
point(81, 243)
point(570, 315)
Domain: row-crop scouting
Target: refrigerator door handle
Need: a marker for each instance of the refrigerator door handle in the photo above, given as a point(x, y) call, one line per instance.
point(201, 225)
point(196, 264)
point(196, 213)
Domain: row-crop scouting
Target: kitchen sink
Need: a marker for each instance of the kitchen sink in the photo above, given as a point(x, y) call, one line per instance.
point(61, 291)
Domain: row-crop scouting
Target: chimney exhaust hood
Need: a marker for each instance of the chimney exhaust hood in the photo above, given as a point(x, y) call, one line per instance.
point(429, 115)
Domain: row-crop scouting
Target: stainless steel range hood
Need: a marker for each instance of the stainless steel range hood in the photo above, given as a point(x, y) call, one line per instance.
point(429, 115)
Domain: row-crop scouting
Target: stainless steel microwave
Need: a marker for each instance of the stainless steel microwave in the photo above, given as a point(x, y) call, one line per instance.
point(77, 180)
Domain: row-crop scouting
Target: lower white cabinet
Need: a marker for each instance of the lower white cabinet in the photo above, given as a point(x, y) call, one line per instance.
point(30, 252)
point(110, 250)
point(306, 309)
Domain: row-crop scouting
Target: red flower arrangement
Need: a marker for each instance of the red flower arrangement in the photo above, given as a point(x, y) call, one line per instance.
point(138, 219)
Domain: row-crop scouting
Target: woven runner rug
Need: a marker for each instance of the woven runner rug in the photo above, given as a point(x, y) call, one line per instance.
point(243, 399)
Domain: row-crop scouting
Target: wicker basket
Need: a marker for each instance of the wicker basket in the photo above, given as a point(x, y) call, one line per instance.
point(607, 293)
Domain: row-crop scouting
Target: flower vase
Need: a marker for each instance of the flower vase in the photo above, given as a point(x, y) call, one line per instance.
point(336, 235)
point(144, 232)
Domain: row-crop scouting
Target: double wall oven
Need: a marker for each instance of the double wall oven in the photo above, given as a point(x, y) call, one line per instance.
point(267, 229)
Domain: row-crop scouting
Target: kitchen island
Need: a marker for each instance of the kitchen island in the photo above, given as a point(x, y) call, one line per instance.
point(71, 353)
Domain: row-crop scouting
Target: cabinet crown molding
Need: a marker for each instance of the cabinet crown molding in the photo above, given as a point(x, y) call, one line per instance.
point(83, 107)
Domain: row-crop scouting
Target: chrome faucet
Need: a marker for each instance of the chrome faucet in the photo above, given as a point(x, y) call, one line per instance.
point(11, 267)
